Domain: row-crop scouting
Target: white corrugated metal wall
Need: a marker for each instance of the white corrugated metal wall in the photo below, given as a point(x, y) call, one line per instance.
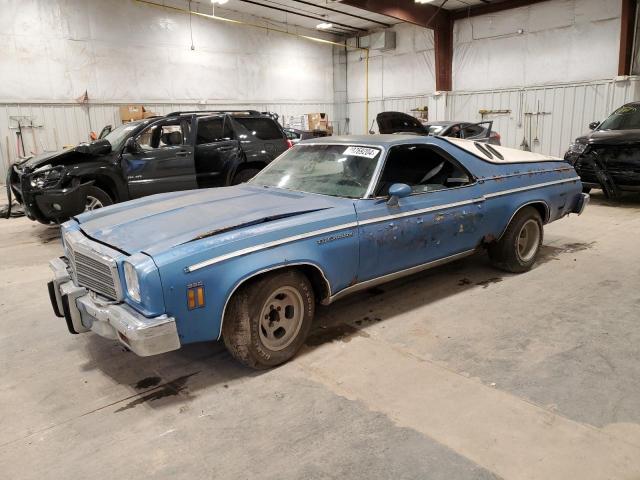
point(569, 109)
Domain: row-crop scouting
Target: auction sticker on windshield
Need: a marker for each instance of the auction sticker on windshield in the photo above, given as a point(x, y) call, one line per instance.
point(361, 152)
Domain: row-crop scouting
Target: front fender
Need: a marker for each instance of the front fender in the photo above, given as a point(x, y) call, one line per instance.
point(336, 259)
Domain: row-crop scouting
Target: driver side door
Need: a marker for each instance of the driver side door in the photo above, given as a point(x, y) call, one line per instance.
point(440, 219)
point(163, 161)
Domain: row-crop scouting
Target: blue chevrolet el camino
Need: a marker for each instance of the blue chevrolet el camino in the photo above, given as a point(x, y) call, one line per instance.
point(248, 263)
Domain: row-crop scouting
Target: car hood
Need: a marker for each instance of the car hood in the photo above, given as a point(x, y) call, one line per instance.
point(610, 137)
point(398, 122)
point(157, 223)
point(68, 155)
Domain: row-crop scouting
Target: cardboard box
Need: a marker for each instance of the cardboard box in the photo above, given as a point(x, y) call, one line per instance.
point(129, 113)
point(318, 121)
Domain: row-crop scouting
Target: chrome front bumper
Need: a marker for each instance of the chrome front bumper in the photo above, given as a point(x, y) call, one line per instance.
point(84, 311)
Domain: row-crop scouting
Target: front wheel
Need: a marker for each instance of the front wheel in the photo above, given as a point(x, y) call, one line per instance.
point(518, 249)
point(96, 198)
point(268, 320)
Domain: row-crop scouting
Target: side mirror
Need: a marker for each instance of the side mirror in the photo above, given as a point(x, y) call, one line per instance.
point(131, 146)
point(396, 192)
point(593, 125)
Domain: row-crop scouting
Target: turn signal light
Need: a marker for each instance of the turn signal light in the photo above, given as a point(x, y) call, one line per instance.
point(195, 297)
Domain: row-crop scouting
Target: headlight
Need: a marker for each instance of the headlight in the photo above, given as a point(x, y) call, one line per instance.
point(577, 148)
point(46, 177)
point(131, 281)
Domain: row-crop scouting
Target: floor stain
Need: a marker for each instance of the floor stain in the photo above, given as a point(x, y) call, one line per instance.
point(148, 382)
point(549, 253)
point(169, 389)
point(464, 281)
point(489, 281)
point(367, 321)
point(342, 332)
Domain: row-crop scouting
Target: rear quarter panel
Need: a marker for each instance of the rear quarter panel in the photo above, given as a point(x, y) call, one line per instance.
point(508, 187)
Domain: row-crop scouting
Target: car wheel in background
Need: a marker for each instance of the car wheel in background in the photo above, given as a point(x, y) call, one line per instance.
point(518, 249)
point(96, 198)
point(268, 320)
point(244, 175)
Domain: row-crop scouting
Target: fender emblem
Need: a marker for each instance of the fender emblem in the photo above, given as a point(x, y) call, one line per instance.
point(338, 236)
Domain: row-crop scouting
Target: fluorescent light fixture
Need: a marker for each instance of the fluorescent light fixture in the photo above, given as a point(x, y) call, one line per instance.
point(219, 2)
point(324, 26)
point(424, 1)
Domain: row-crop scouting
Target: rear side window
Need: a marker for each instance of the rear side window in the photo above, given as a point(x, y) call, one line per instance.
point(212, 130)
point(262, 128)
point(472, 130)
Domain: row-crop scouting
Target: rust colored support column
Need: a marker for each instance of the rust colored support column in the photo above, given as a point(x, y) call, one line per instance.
point(443, 39)
point(627, 27)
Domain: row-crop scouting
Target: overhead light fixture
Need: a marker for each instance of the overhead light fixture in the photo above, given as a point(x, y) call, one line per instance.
point(219, 2)
point(424, 1)
point(324, 26)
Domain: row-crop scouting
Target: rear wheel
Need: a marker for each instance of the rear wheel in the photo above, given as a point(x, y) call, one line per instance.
point(244, 175)
point(96, 198)
point(268, 320)
point(518, 249)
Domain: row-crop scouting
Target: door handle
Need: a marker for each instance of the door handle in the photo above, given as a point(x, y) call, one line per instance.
point(182, 153)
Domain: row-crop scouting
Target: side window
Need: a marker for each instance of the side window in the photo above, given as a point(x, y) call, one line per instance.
point(472, 130)
point(261, 128)
point(163, 135)
point(212, 130)
point(421, 167)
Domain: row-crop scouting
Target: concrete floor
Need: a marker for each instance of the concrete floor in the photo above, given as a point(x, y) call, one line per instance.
point(459, 373)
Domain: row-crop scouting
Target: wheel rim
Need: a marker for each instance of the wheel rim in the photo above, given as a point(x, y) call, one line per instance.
point(528, 240)
point(92, 203)
point(281, 318)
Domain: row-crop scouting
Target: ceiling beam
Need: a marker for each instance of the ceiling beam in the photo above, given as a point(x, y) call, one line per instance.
point(418, 14)
point(627, 27)
point(353, 15)
point(298, 13)
point(493, 7)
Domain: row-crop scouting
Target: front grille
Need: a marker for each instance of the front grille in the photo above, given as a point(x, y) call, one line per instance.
point(93, 272)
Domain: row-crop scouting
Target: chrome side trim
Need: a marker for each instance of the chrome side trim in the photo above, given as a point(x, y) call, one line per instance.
point(396, 275)
point(264, 246)
point(270, 269)
point(275, 243)
point(531, 187)
point(421, 211)
point(534, 172)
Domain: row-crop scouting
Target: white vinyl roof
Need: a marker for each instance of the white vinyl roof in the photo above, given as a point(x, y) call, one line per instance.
point(510, 155)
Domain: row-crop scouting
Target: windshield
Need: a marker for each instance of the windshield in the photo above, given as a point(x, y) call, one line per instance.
point(336, 170)
point(625, 118)
point(117, 136)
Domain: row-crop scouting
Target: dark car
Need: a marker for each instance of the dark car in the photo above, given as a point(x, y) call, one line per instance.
point(295, 135)
point(180, 151)
point(608, 157)
point(398, 122)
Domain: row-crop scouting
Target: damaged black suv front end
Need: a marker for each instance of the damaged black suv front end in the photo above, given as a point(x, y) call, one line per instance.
point(608, 157)
point(47, 185)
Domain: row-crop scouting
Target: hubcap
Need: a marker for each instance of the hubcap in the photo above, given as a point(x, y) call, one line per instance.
point(92, 203)
point(281, 318)
point(528, 240)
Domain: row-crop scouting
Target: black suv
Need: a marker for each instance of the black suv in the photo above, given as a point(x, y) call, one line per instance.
point(181, 151)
